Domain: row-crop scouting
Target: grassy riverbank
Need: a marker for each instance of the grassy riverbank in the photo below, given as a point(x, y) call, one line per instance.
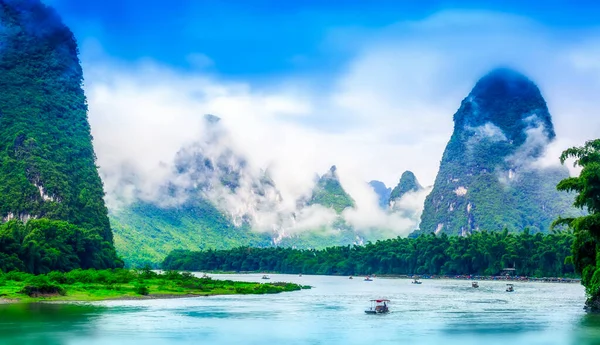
point(92, 285)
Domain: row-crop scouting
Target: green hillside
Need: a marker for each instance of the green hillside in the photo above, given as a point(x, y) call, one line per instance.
point(145, 233)
point(329, 192)
point(47, 162)
point(408, 183)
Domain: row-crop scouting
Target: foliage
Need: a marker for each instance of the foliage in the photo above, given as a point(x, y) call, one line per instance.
point(142, 290)
point(47, 162)
point(145, 233)
point(586, 248)
point(408, 183)
point(44, 245)
point(487, 178)
point(329, 193)
point(483, 253)
point(81, 285)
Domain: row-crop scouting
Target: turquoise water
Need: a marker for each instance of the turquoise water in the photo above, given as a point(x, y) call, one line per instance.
point(437, 312)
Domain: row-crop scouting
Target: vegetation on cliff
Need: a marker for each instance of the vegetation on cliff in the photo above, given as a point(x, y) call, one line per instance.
point(47, 162)
point(489, 177)
point(329, 192)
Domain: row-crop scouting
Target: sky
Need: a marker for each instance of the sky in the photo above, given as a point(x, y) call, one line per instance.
point(302, 85)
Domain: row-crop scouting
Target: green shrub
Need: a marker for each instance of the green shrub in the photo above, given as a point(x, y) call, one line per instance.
point(142, 290)
point(17, 276)
point(57, 277)
point(40, 285)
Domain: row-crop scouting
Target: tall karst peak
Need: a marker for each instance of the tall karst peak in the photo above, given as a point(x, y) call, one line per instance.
point(508, 102)
point(488, 177)
point(408, 183)
point(47, 163)
point(329, 192)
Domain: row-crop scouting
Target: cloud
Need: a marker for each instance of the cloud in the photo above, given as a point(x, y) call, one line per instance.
point(388, 110)
point(200, 61)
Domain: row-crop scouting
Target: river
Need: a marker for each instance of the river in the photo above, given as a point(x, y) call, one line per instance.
point(444, 312)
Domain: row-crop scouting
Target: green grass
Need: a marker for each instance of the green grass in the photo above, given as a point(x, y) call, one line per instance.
point(92, 285)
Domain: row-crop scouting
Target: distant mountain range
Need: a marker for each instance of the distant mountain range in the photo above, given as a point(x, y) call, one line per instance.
point(215, 199)
point(491, 177)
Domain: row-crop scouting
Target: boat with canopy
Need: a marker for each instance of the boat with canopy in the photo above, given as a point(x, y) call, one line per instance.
point(378, 306)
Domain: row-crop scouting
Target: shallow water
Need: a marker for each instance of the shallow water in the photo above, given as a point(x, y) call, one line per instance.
point(436, 312)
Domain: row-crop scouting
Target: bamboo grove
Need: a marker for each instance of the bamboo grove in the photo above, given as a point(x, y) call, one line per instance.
point(482, 253)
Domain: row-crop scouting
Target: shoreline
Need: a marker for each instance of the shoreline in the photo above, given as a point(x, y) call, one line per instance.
point(114, 298)
point(558, 280)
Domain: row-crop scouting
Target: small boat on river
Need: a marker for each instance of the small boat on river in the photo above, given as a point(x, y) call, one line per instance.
point(368, 279)
point(378, 306)
point(350, 277)
point(416, 281)
point(510, 288)
point(475, 284)
point(265, 277)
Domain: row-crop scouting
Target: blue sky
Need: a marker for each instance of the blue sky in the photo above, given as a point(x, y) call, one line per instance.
point(265, 37)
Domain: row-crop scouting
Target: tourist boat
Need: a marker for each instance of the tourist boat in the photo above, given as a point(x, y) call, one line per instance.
point(378, 306)
point(510, 288)
point(416, 281)
point(300, 275)
point(265, 277)
point(368, 279)
point(350, 277)
point(475, 284)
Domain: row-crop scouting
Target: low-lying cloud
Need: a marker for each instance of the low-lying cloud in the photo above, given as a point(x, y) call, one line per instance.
point(388, 111)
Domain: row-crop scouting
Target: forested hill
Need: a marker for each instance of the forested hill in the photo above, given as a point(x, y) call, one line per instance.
point(482, 253)
point(47, 162)
point(490, 176)
point(329, 192)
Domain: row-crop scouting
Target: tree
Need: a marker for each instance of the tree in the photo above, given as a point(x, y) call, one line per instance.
point(586, 247)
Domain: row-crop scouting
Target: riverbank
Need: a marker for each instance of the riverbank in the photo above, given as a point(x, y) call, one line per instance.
point(425, 276)
point(488, 278)
point(120, 284)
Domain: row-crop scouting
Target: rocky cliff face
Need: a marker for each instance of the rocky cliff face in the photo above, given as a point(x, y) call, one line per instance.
point(491, 176)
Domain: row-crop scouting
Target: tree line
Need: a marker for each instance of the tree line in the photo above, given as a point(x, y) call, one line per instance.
point(43, 245)
point(481, 253)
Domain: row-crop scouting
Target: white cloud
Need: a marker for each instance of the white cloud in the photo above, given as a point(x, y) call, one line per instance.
point(392, 106)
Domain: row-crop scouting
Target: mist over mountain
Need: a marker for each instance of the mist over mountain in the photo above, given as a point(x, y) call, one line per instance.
point(493, 173)
point(383, 192)
point(213, 197)
point(329, 192)
point(408, 183)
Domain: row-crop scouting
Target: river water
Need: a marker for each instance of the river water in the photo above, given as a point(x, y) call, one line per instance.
point(444, 312)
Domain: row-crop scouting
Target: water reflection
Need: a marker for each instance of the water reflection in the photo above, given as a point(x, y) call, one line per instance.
point(588, 330)
point(46, 323)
